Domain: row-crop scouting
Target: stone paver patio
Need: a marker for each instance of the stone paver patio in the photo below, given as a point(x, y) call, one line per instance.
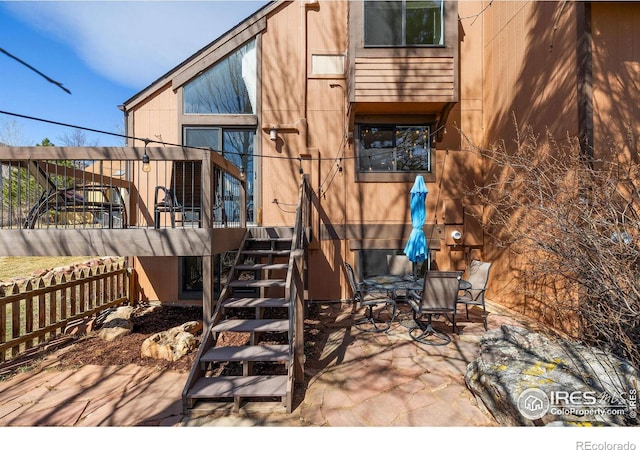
point(361, 380)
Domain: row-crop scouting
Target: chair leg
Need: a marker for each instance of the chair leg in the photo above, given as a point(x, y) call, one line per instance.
point(425, 333)
point(484, 317)
point(373, 324)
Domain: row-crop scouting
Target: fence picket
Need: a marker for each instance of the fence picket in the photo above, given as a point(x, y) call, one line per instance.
point(73, 297)
point(40, 311)
point(83, 291)
point(3, 322)
point(53, 305)
point(29, 313)
point(15, 322)
point(91, 283)
point(62, 293)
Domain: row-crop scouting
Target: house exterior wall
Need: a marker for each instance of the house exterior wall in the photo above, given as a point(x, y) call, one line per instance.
point(157, 118)
point(295, 98)
point(616, 71)
point(513, 62)
point(530, 69)
point(530, 79)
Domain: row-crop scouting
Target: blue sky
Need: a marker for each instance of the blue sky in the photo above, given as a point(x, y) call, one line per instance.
point(103, 52)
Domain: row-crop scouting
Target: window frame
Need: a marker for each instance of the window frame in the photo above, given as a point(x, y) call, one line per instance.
point(252, 176)
point(251, 97)
point(364, 176)
point(443, 35)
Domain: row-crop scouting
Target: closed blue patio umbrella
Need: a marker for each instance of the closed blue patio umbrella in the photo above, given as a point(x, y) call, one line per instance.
point(416, 248)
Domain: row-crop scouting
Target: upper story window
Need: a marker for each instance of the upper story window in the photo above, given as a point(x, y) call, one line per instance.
point(403, 23)
point(394, 148)
point(229, 87)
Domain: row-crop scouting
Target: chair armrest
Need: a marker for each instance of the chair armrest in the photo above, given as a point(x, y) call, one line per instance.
point(473, 294)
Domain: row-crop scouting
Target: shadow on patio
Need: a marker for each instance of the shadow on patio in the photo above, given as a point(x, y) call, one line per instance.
point(352, 379)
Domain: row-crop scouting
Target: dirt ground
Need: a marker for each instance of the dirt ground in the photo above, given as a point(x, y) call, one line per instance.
point(90, 349)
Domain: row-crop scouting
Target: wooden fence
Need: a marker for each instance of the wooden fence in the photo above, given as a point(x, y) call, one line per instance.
point(38, 311)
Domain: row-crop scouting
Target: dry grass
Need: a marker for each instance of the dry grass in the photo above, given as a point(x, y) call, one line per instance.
point(19, 266)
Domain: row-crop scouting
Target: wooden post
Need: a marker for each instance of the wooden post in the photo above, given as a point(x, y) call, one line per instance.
point(208, 199)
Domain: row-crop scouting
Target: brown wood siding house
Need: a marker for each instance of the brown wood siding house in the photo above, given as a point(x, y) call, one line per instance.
point(332, 83)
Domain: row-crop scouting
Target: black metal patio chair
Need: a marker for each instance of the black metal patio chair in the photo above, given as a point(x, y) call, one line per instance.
point(478, 278)
point(169, 203)
point(369, 297)
point(438, 297)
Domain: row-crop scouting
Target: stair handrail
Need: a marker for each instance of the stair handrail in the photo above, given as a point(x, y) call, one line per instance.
point(295, 288)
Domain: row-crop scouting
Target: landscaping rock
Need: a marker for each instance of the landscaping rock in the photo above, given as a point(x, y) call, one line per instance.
point(172, 344)
point(117, 324)
point(526, 378)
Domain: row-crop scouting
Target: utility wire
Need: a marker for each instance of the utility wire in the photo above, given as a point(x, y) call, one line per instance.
point(149, 141)
point(475, 16)
point(335, 168)
point(50, 80)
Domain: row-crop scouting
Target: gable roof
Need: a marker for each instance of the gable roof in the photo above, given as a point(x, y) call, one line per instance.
point(180, 74)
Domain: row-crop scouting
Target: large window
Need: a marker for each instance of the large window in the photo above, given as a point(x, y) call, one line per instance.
point(403, 23)
point(229, 87)
point(237, 145)
point(394, 148)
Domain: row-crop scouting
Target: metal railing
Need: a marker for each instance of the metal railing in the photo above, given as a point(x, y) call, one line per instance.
point(111, 187)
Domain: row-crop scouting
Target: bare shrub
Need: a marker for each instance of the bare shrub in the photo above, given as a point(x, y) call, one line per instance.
point(571, 222)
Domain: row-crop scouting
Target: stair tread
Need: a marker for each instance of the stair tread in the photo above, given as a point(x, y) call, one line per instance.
point(281, 266)
point(269, 239)
point(265, 252)
point(250, 386)
point(249, 325)
point(252, 302)
point(276, 282)
point(247, 353)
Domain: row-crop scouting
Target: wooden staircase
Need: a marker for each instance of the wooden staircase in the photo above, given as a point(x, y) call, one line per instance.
point(246, 357)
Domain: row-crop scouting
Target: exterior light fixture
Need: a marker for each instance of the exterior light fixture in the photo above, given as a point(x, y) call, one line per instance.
point(242, 173)
point(273, 134)
point(456, 235)
point(146, 166)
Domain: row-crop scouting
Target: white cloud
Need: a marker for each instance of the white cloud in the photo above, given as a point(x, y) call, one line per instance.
point(135, 42)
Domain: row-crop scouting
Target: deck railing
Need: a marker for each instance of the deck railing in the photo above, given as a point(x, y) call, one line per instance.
point(35, 311)
point(295, 287)
point(111, 187)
